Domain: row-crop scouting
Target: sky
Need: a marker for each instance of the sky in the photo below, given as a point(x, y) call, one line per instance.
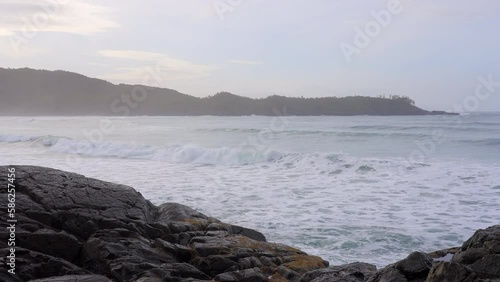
point(443, 54)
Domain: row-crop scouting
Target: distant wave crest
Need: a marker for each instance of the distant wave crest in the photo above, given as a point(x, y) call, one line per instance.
point(188, 153)
point(176, 153)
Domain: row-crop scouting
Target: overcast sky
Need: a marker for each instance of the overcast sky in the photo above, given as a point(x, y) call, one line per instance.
point(432, 51)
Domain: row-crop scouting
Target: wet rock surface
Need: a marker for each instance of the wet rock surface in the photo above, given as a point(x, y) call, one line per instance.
point(353, 272)
point(73, 228)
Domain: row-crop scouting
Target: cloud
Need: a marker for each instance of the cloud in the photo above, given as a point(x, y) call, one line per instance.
point(29, 51)
point(68, 16)
point(461, 11)
point(97, 64)
point(5, 32)
point(164, 66)
point(424, 24)
point(191, 11)
point(245, 62)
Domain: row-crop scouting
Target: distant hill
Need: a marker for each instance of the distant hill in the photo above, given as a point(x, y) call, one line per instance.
point(41, 92)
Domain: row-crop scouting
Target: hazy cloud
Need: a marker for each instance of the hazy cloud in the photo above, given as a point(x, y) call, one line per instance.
point(245, 62)
point(165, 66)
point(5, 32)
point(68, 16)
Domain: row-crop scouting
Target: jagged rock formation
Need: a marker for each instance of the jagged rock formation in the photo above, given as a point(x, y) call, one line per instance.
point(74, 228)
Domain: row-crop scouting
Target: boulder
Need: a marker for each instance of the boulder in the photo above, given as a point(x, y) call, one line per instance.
point(352, 272)
point(414, 268)
point(416, 265)
point(480, 254)
point(450, 272)
point(74, 228)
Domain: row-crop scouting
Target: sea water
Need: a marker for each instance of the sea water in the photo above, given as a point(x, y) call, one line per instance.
point(360, 188)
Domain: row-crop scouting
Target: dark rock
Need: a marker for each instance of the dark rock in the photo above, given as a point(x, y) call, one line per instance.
point(74, 278)
point(247, 275)
point(352, 272)
point(283, 272)
point(214, 265)
point(73, 228)
point(121, 254)
point(249, 262)
point(483, 238)
point(469, 256)
point(416, 265)
point(182, 253)
point(487, 267)
point(51, 242)
point(31, 265)
point(480, 254)
point(450, 272)
point(413, 268)
point(252, 234)
point(388, 274)
point(170, 270)
point(169, 212)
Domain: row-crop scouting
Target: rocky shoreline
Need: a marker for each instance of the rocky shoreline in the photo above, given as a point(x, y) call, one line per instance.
point(73, 228)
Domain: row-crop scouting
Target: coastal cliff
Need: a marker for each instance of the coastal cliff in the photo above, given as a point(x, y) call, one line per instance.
point(73, 228)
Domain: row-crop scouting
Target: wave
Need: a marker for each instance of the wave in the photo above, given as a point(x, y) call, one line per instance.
point(46, 140)
point(485, 123)
point(373, 127)
point(177, 153)
point(320, 132)
point(242, 130)
point(332, 164)
point(26, 120)
point(484, 142)
point(392, 127)
point(191, 154)
point(17, 138)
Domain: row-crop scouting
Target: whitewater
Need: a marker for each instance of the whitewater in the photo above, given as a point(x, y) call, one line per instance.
point(360, 188)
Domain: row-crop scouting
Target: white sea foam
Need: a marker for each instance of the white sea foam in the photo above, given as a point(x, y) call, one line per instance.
point(348, 198)
point(47, 140)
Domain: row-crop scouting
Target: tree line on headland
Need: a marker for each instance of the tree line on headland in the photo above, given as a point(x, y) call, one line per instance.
point(41, 92)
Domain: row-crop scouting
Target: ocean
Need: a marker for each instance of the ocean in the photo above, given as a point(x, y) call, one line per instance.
point(359, 188)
